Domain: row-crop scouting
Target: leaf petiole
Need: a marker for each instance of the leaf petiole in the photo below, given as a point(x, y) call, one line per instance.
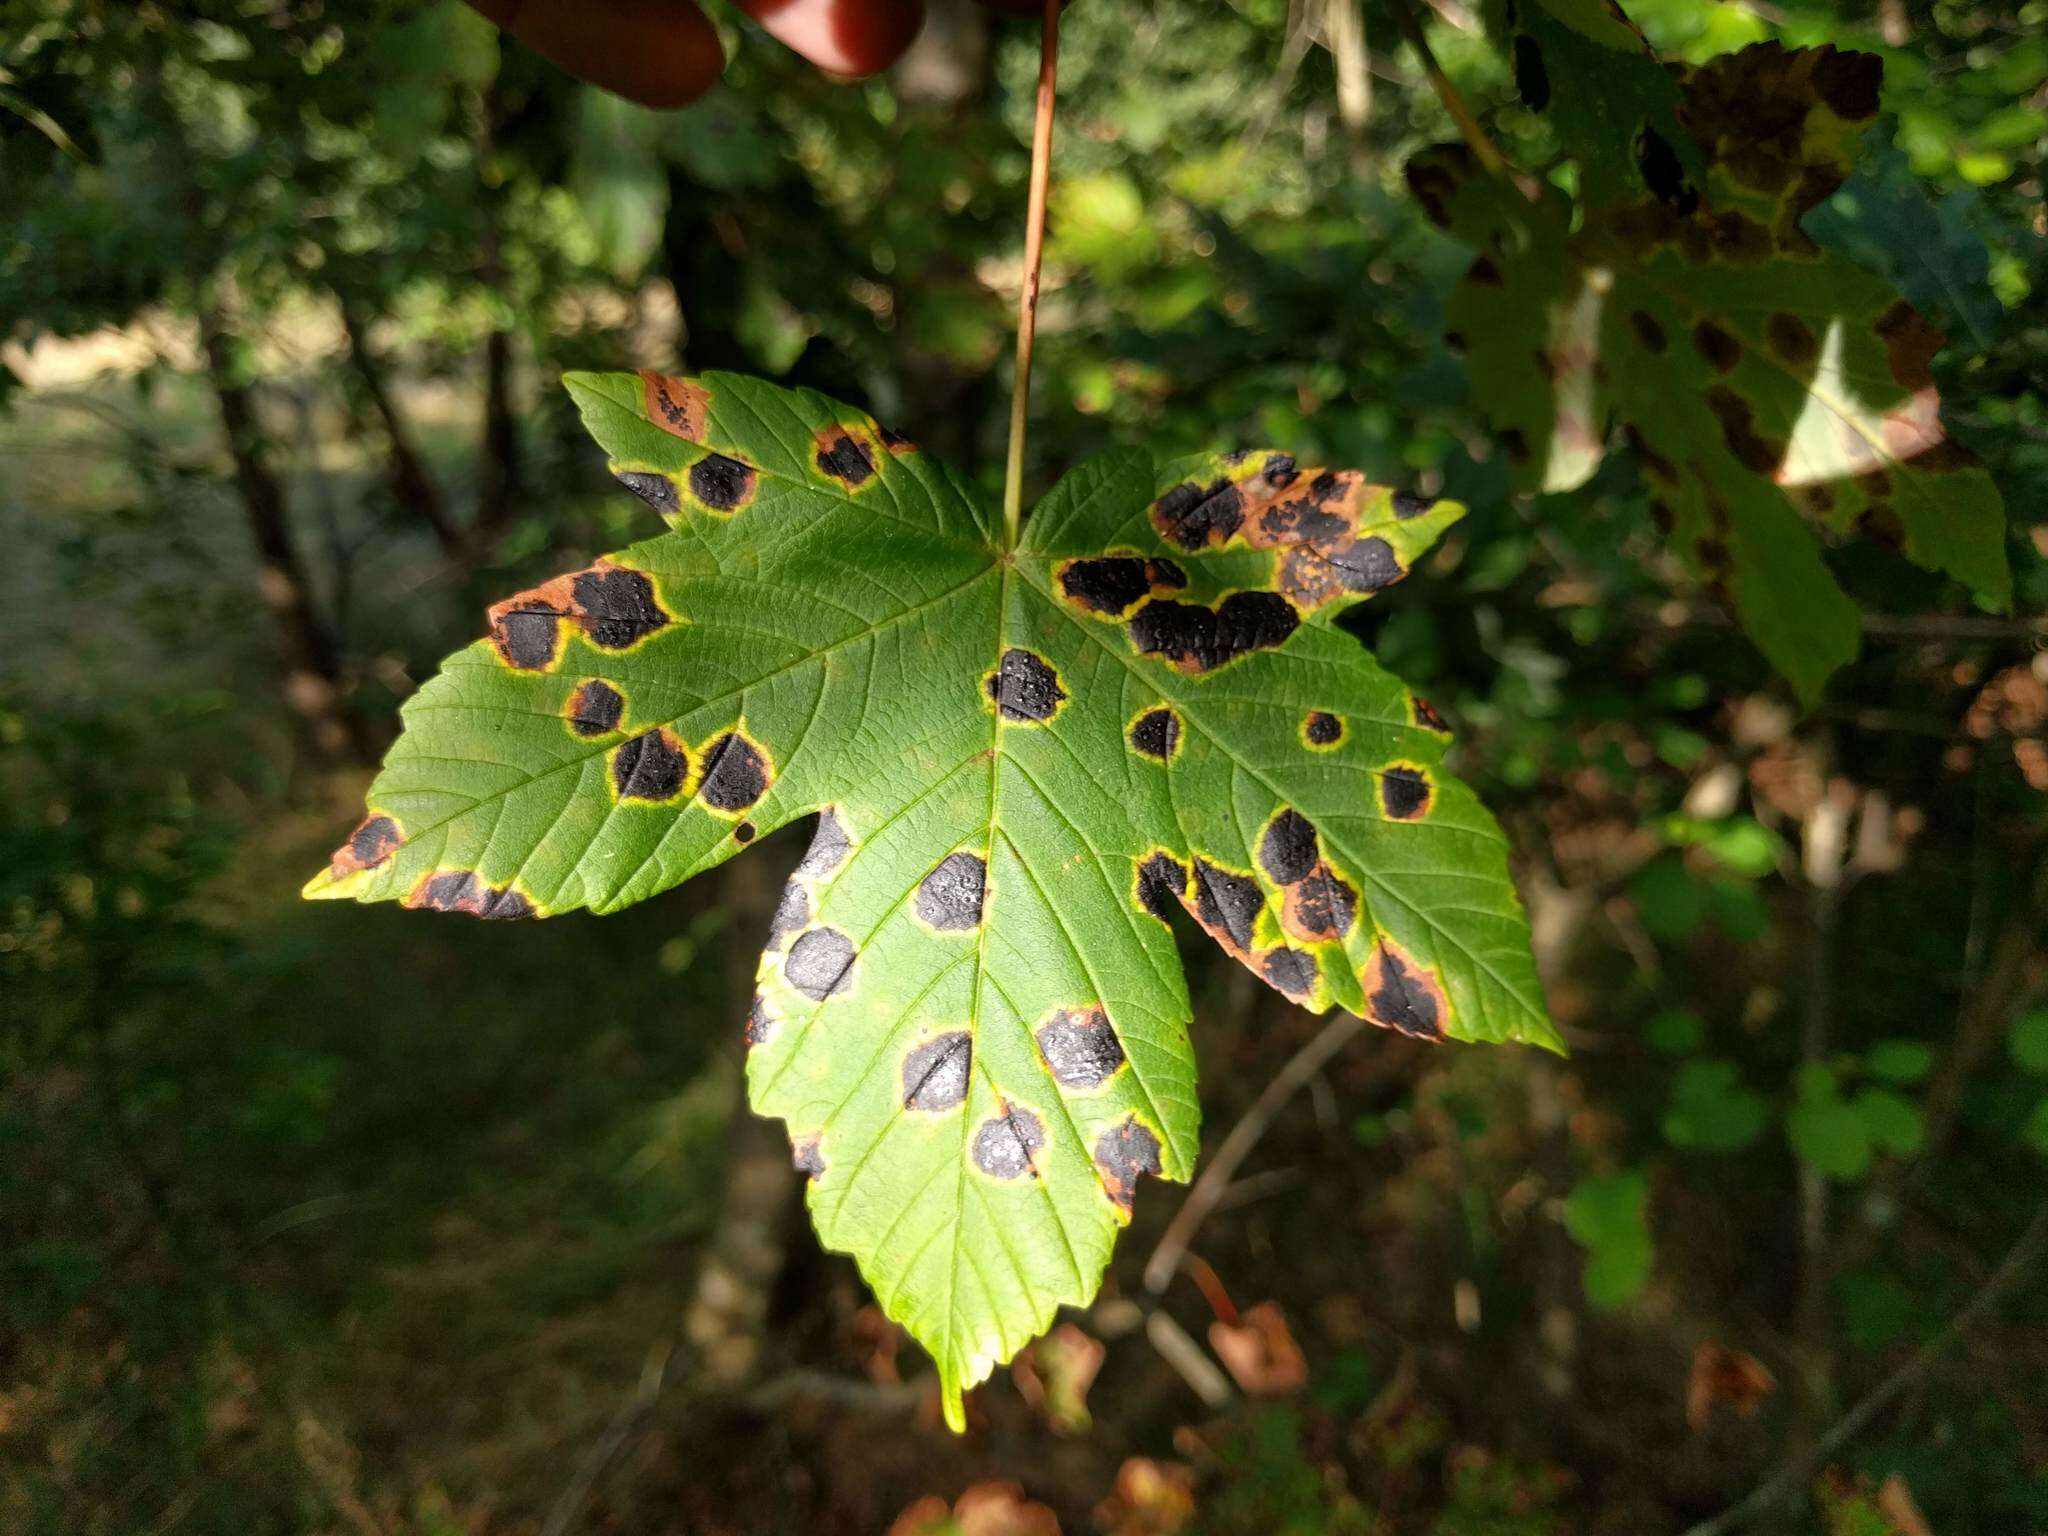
point(1034, 250)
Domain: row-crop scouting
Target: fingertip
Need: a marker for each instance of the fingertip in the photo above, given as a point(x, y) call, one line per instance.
point(843, 37)
point(659, 53)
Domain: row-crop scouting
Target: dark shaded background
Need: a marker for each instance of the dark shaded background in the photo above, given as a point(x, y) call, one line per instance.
point(352, 1220)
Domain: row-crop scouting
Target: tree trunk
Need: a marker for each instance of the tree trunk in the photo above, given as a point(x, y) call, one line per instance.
point(405, 471)
point(313, 686)
point(500, 475)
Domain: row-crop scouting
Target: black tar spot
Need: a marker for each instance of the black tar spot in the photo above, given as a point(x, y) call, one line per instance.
point(1366, 565)
point(895, 441)
point(735, 773)
point(1532, 80)
point(1427, 717)
point(1108, 585)
point(791, 913)
point(596, 708)
point(459, 890)
point(1206, 638)
point(527, 637)
point(658, 491)
point(846, 459)
point(819, 963)
point(1156, 733)
point(745, 833)
point(1165, 573)
point(1195, 516)
point(1404, 1001)
point(1323, 729)
point(1404, 793)
point(1662, 172)
point(617, 606)
point(649, 767)
point(760, 1022)
point(1161, 879)
point(1227, 902)
point(829, 845)
point(1122, 1152)
point(1080, 1047)
point(1279, 470)
point(949, 898)
point(935, 1074)
point(1288, 849)
point(374, 841)
point(1291, 971)
point(1025, 688)
point(808, 1157)
point(1407, 506)
point(1324, 906)
point(721, 483)
point(1003, 1146)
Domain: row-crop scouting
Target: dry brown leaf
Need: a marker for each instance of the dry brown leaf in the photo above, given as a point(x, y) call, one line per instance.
point(1152, 1498)
point(1260, 1352)
point(1722, 1375)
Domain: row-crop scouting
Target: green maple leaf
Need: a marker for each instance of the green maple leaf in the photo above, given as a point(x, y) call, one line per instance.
point(971, 1012)
point(1770, 389)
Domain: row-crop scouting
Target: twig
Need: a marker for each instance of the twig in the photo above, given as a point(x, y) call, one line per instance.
point(1034, 251)
point(1774, 1489)
point(1468, 125)
point(1186, 1356)
point(1215, 1180)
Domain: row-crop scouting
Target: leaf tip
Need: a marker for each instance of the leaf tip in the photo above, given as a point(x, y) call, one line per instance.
point(953, 1401)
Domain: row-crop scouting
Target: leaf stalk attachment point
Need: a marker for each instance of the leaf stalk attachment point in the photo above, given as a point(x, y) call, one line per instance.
point(1474, 135)
point(1034, 251)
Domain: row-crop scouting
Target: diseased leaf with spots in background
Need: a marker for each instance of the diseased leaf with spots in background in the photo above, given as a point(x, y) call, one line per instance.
point(1587, 68)
point(971, 1012)
point(1768, 387)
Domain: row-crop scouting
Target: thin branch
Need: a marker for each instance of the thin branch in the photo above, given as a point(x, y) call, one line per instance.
point(1468, 125)
point(633, 1413)
point(1775, 1489)
point(1237, 1146)
point(1034, 251)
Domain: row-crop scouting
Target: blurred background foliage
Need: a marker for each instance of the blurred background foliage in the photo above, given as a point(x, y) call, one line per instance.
point(345, 1220)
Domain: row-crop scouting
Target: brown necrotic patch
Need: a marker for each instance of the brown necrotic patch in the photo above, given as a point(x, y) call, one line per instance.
point(1005, 1144)
point(1290, 972)
point(1228, 905)
point(807, 1156)
point(1910, 345)
point(1424, 714)
point(829, 845)
point(950, 897)
point(1156, 734)
point(737, 773)
point(653, 766)
point(374, 840)
point(1404, 792)
point(820, 963)
point(761, 1023)
point(1402, 995)
point(459, 890)
point(676, 405)
point(1196, 639)
point(614, 605)
point(842, 457)
point(657, 490)
point(1197, 516)
point(1319, 907)
point(1080, 1047)
point(895, 441)
point(1159, 883)
point(1025, 687)
point(1321, 729)
point(596, 708)
point(722, 484)
point(935, 1073)
point(1122, 1152)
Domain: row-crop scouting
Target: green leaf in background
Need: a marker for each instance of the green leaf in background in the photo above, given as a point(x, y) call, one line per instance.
point(1607, 1215)
point(2035, 1132)
point(1675, 1032)
point(2029, 1041)
point(1827, 1133)
point(1768, 388)
point(971, 1012)
point(1891, 1121)
point(1710, 1109)
point(1899, 1061)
